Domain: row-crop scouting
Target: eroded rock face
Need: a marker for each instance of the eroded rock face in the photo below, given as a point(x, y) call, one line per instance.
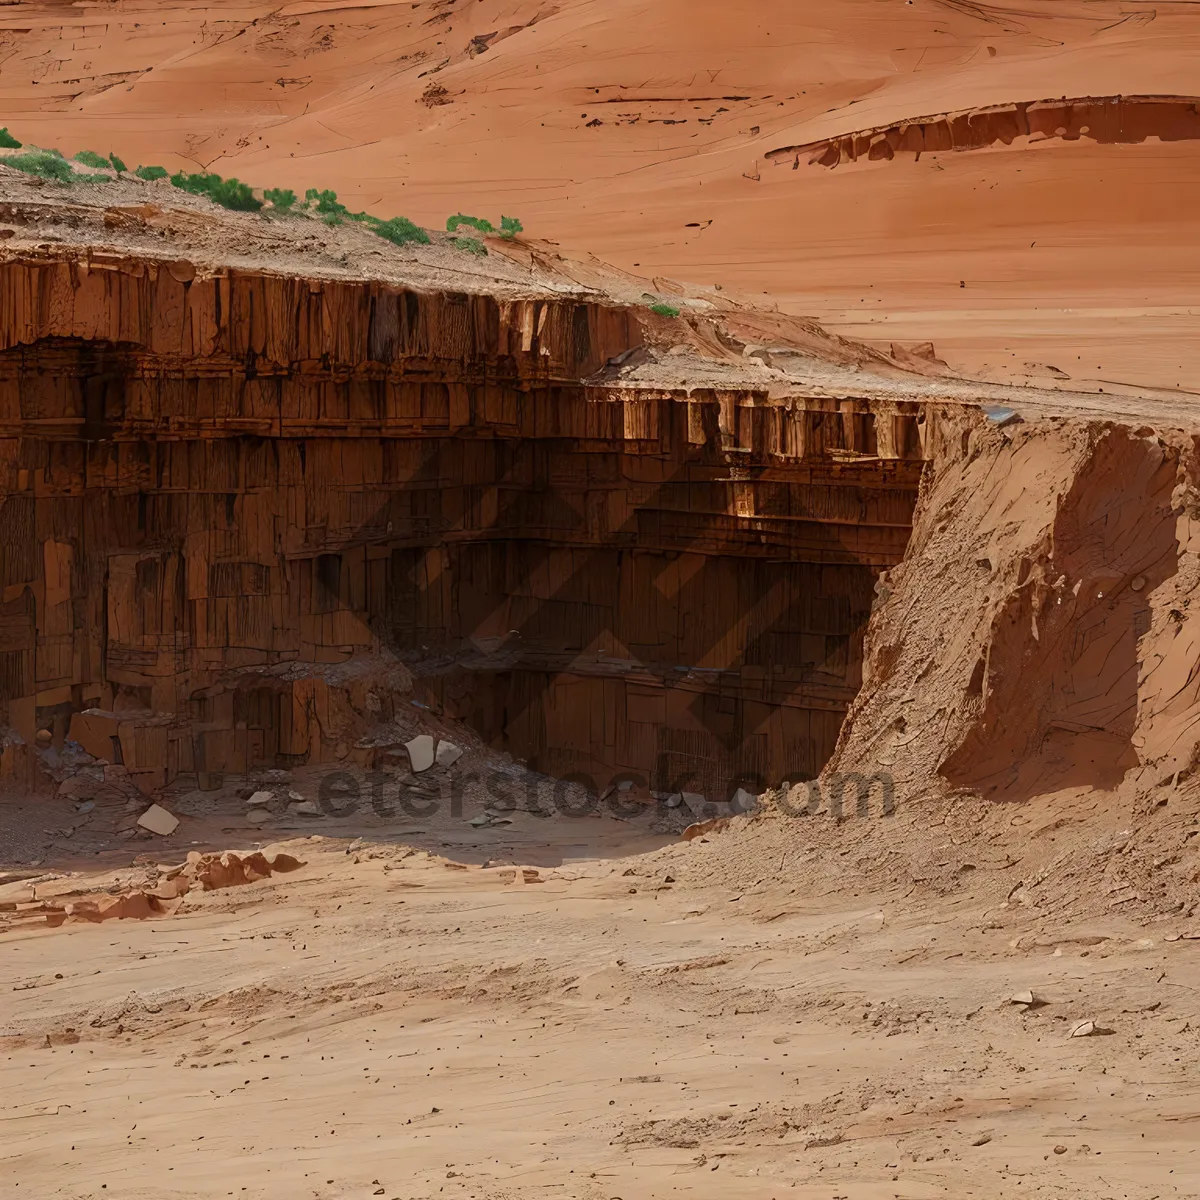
point(1111, 120)
point(242, 516)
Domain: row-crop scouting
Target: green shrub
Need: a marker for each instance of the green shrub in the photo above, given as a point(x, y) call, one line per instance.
point(117, 164)
point(151, 173)
point(90, 158)
point(664, 310)
point(331, 219)
point(325, 202)
point(195, 185)
point(280, 199)
point(44, 163)
point(470, 245)
point(400, 231)
point(510, 227)
point(230, 193)
point(7, 141)
point(484, 226)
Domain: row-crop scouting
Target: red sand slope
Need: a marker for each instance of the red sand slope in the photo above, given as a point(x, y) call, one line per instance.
point(641, 133)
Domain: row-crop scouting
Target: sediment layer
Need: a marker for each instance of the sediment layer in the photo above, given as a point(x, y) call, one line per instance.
point(1111, 120)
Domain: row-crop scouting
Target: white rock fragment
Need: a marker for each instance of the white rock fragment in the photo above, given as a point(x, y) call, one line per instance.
point(260, 799)
point(420, 752)
point(448, 754)
point(1026, 997)
point(1084, 1029)
point(158, 820)
point(258, 816)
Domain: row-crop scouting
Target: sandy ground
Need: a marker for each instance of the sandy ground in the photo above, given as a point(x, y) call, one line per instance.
point(387, 1021)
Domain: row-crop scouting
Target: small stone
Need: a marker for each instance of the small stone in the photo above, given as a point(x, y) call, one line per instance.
point(448, 754)
point(820, 1138)
point(260, 799)
point(420, 752)
point(258, 816)
point(1028, 998)
point(1138, 583)
point(305, 808)
point(744, 801)
point(158, 820)
point(1084, 1029)
point(982, 1139)
point(1060, 1149)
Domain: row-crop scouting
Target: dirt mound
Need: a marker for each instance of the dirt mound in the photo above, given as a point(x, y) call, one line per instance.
point(1021, 646)
point(1028, 729)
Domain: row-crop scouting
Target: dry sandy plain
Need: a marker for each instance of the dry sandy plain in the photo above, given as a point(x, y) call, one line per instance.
point(700, 1019)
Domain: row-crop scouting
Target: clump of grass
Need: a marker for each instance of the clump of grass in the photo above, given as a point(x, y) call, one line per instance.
point(480, 223)
point(7, 141)
point(400, 231)
point(325, 203)
point(233, 194)
point(280, 199)
point(45, 163)
point(664, 310)
point(509, 226)
point(195, 185)
point(150, 174)
point(117, 164)
point(228, 193)
point(90, 158)
point(470, 245)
